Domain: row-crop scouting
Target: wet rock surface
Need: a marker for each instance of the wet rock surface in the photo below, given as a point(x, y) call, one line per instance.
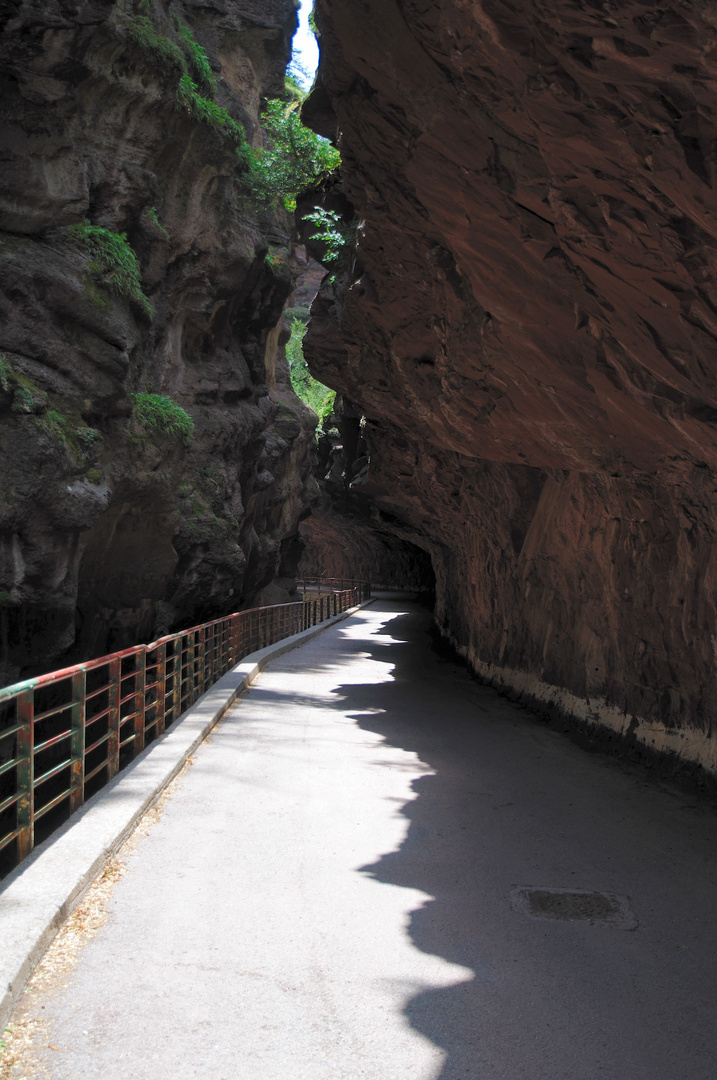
point(111, 530)
point(529, 327)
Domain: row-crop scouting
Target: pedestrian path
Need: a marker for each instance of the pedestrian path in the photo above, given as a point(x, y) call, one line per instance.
point(377, 868)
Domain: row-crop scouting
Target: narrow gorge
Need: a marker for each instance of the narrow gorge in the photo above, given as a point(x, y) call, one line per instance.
point(518, 313)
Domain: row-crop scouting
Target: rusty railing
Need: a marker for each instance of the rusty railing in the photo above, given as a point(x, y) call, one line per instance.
point(321, 586)
point(65, 734)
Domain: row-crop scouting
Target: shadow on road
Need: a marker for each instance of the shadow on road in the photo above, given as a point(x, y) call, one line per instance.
point(431, 708)
point(509, 803)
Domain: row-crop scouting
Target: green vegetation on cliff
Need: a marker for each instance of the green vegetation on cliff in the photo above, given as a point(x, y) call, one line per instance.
point(333, 232)
point(208, 112)
point(144, 33)
point(317, 396)
point(185, 54)
point(196, 55)
point(51, 415)
point(25, 397)
point(113, 261)
point(289, 159)
point(292, 158)
point(154, 412)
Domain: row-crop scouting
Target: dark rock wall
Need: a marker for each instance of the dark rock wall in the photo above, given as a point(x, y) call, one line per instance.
point(343, 542)
point(346, 535)
point(531, 332)
point(110, 531)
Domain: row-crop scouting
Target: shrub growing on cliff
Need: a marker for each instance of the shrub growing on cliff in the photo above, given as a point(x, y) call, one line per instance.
point(159, 413)
point(195, 54)
point(188, 54)
point(143, 31)
point(332, 231)
point(151, 212)
point(88, 436)
point(208, 112)
point(25, 396)
point(23, 400)
point(113, 258)
point(317, 396)
point(292, 158)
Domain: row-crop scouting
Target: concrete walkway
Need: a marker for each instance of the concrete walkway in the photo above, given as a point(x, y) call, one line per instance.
point(337, 889)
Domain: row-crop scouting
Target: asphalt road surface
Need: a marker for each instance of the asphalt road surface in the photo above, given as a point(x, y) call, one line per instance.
point(377, 868)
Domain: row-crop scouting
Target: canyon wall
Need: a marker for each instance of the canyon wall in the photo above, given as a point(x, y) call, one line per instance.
point(116, 524)
point(529, 325)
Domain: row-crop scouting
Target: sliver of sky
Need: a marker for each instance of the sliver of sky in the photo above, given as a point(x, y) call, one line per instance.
point(305, 49)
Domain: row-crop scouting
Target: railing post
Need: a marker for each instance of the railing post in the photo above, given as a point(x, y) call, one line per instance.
point(233, 639)
point(139, 673)
point(113, 717)
point(77, 740)
point(240, 634)
point(25, 774)
point(226, 646)
point(199, 643)
point(207, 643)
point(161, 678)
point(176, 676)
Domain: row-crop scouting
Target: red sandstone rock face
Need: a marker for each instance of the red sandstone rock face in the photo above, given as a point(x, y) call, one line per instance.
point(532, 332)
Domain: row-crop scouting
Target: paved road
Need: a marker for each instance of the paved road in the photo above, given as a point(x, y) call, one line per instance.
point(330, 894)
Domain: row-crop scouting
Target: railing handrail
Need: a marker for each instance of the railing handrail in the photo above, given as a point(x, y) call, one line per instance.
point(99, 661)
point(95, 732)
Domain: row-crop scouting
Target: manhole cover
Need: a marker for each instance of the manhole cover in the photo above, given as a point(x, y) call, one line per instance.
point(573, 905)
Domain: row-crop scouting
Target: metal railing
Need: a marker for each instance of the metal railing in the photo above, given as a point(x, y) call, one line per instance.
point(65, 734)
point(323, 585)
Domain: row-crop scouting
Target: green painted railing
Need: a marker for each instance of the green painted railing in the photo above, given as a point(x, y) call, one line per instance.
point(65, 734)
